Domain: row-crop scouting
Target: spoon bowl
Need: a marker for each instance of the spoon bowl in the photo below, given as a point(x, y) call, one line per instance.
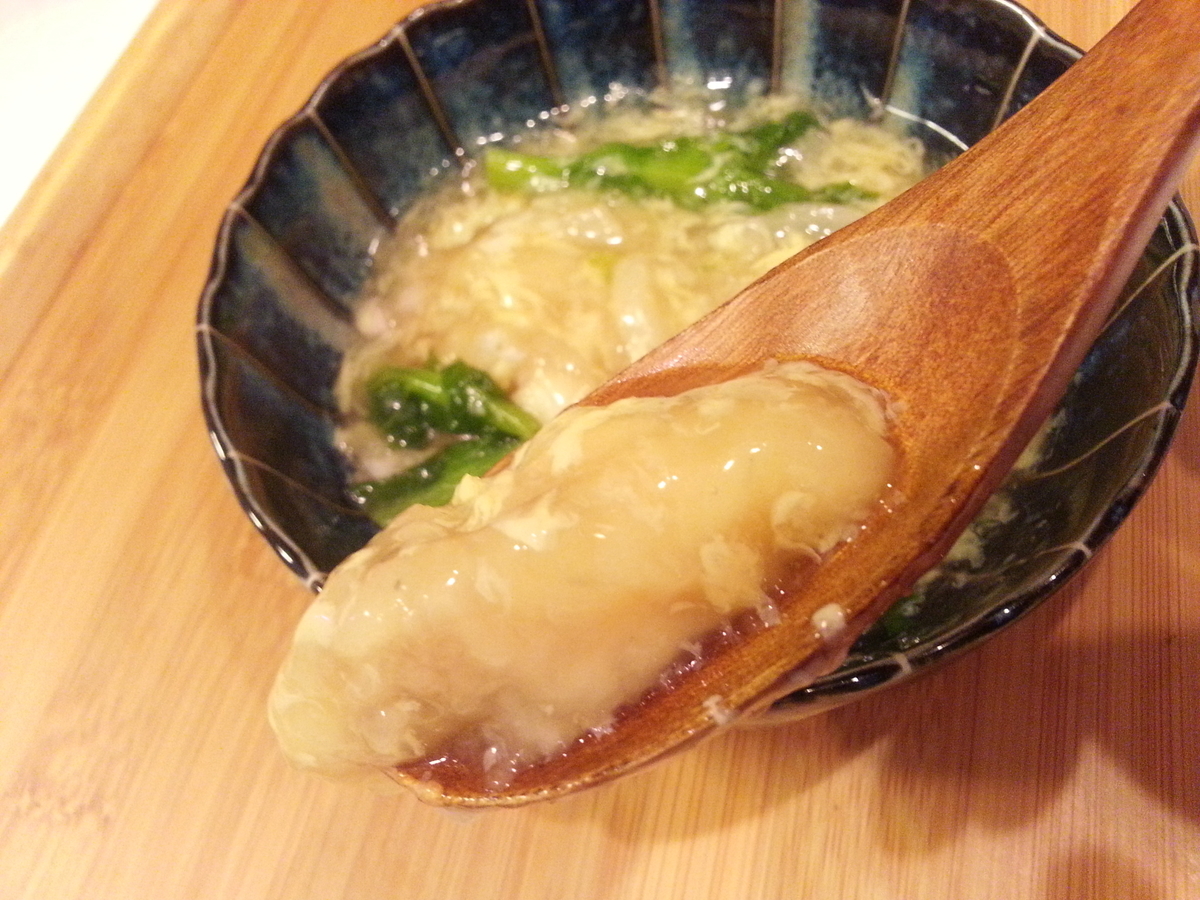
point(970, 301)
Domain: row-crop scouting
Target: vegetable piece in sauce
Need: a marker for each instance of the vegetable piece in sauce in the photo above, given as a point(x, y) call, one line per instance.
point(498, 628)
point(432, 482)
point(413, 407)
point(690, 171)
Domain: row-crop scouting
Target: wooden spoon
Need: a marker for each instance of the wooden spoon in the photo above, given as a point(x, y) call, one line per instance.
point(971, 300)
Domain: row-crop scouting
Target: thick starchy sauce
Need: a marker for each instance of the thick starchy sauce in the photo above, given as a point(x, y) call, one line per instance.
point(548, 594)
point(552, 294)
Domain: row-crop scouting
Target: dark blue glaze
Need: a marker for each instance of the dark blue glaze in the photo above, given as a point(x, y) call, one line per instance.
point(598, 44)
point(728, 44)
point(270, 309)
point(848, 65)
point(485, 65)
point(274, 426)
point(315, 210)
point(957, 61)
point(381, 120)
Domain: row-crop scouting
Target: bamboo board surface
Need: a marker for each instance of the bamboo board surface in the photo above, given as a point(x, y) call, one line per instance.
point(142, 617)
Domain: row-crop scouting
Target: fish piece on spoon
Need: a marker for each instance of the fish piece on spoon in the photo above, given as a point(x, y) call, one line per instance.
point(969, 301)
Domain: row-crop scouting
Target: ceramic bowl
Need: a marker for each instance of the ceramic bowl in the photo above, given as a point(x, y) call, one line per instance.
point(297, 244)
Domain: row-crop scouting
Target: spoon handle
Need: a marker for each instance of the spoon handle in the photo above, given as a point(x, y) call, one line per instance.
point(1072, 186)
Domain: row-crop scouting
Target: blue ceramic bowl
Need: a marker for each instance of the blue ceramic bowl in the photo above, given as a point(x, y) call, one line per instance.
point(297, 244)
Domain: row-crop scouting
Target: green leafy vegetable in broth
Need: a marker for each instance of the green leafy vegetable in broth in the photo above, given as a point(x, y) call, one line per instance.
point(416, 407)
point(410, 405)
point(690, 171)
point(432, 482)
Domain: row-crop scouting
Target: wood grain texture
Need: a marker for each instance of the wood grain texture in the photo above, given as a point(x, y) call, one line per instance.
point(141, 617)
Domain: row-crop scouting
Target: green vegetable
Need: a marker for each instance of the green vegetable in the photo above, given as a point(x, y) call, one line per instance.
point(432, 482)
point(413, 407)
point(691, 172)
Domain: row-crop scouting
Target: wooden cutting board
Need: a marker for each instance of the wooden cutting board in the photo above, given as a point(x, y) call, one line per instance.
point(141, 617)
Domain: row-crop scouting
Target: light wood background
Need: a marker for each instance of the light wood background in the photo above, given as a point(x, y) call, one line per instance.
point(141, 617)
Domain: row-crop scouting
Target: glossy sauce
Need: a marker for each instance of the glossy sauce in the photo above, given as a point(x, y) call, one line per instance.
point(552, 294)
point(546, 595)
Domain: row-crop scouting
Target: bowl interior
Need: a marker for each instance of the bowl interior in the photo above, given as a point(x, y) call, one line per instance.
point(297, 246)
